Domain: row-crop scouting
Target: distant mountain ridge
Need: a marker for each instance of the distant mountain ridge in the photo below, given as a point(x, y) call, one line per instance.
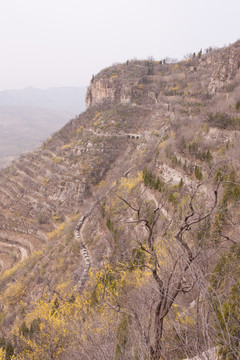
point(58, 98)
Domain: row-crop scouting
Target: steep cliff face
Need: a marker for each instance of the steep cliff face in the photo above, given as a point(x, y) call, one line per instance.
point(106, 90)
point(123, 83)
point(140, 186)
point(150, 82)
point(225, 66)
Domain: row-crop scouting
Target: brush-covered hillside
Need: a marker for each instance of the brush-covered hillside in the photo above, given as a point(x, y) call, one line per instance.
point(119, 236)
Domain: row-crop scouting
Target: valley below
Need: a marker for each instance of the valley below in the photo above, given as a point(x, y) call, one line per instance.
point(30, 116)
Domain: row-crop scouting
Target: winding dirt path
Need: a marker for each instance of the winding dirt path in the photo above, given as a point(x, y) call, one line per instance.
point(78, 233)
point(24, 251)
point(123, 135)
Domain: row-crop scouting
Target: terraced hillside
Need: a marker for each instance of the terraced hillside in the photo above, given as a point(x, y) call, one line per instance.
point(46, 186)
point(122, 216)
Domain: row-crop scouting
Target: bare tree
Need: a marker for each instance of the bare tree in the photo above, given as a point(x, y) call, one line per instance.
point(182, 251)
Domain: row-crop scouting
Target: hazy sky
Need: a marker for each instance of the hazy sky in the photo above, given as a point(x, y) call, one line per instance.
point(63, 42)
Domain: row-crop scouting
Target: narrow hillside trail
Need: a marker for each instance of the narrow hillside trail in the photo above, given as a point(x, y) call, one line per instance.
point(14, 247)
point(78, 233)
point(24, 251)
point(123, 135)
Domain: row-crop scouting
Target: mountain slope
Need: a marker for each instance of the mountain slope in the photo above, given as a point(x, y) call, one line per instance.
point(144, 186)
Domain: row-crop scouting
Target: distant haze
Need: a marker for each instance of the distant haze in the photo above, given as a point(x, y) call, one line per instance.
point(24, 128)
point(30, 116)
point(71, 99)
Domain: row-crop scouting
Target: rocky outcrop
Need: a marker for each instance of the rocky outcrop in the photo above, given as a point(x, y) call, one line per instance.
point(225, 64)
point(210, 354)
point(102, 90)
